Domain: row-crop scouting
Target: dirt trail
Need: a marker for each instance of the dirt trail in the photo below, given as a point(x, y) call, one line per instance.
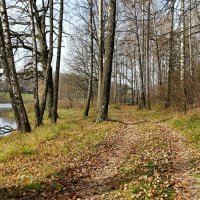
point(98, 173)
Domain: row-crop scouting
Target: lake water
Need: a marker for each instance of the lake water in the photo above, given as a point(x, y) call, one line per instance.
point(5, 106)
point(4, 120)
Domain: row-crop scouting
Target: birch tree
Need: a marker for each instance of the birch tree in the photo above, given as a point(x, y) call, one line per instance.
point(7, 58)
point(100, 56)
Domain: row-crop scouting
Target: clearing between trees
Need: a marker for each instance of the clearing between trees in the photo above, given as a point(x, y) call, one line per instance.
point(136, 155)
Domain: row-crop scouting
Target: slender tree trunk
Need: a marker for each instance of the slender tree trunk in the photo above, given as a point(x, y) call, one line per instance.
point(41, 29)
point(142, 101)
point(6, 68)
point(106, 81)
point(89, 95)
point(183, 59)
point(48, 74)
point(38, 119)
point(135, 79)
point(24, 125)
point(50, 94)
point(115, 77)
point(120, 83)
point(100, 58)
point(190, 37)
point(148, 58)
point(171, 57)
point(160, 82)
point(54, 115)
point(132, 83)
point(123, 81)
point(143, 51)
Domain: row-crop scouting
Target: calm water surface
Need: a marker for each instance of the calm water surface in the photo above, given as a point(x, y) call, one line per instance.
point(4, 120)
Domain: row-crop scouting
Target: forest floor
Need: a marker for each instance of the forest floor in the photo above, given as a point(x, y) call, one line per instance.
point(136, 155)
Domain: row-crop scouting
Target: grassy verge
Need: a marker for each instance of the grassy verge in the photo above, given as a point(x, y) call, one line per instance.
point(27, 159)
point(4, 97)
point(186, 123)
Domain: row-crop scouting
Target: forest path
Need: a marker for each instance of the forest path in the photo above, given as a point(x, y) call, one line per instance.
point(142, 159)
point(145, 153)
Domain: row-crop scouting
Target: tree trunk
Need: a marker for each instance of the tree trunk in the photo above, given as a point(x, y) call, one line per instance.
point(171, 57)
point(50, 94)
point(100, 58)
point(142, 101)
point(132, 82)
point(143, 51)
point(38, 119)
point(48, 74)
point(109, 48)
point(89, 95)
point(57, 73)
point(6, 68)
point(47, 96)
point(183, 59)
point(148, 58)
point(18, 104)
point(115, 79)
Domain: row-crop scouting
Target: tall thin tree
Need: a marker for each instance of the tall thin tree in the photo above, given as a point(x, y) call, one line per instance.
point(89, 95)
point(48, 73)
point(171, 56)
point(54, 115)
point(18, 104)
point(107, 70)
point(100, 56)
point(38, 119)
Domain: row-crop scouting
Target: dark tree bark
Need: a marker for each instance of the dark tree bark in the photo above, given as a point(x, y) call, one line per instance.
point(171, 55)
point(57, 73)
point(132, 80)
point(148, 101)
point(89, 95)
point(48, 93)
point(48, 75)
point(109, 47)
point(38, 119)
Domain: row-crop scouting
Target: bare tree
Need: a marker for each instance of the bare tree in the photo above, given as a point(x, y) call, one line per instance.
point(23, 124)
point(38, 119)
point(100, 57)
point(89, 95)
point(109, 47)
point(56, 81)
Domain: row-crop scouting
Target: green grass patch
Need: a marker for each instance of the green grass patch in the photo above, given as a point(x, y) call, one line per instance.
point(47, 149)
point(188, 124)
point(4, 97)
point(35, 185)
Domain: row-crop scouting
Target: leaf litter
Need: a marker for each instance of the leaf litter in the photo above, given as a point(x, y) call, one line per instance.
point(140, 160)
